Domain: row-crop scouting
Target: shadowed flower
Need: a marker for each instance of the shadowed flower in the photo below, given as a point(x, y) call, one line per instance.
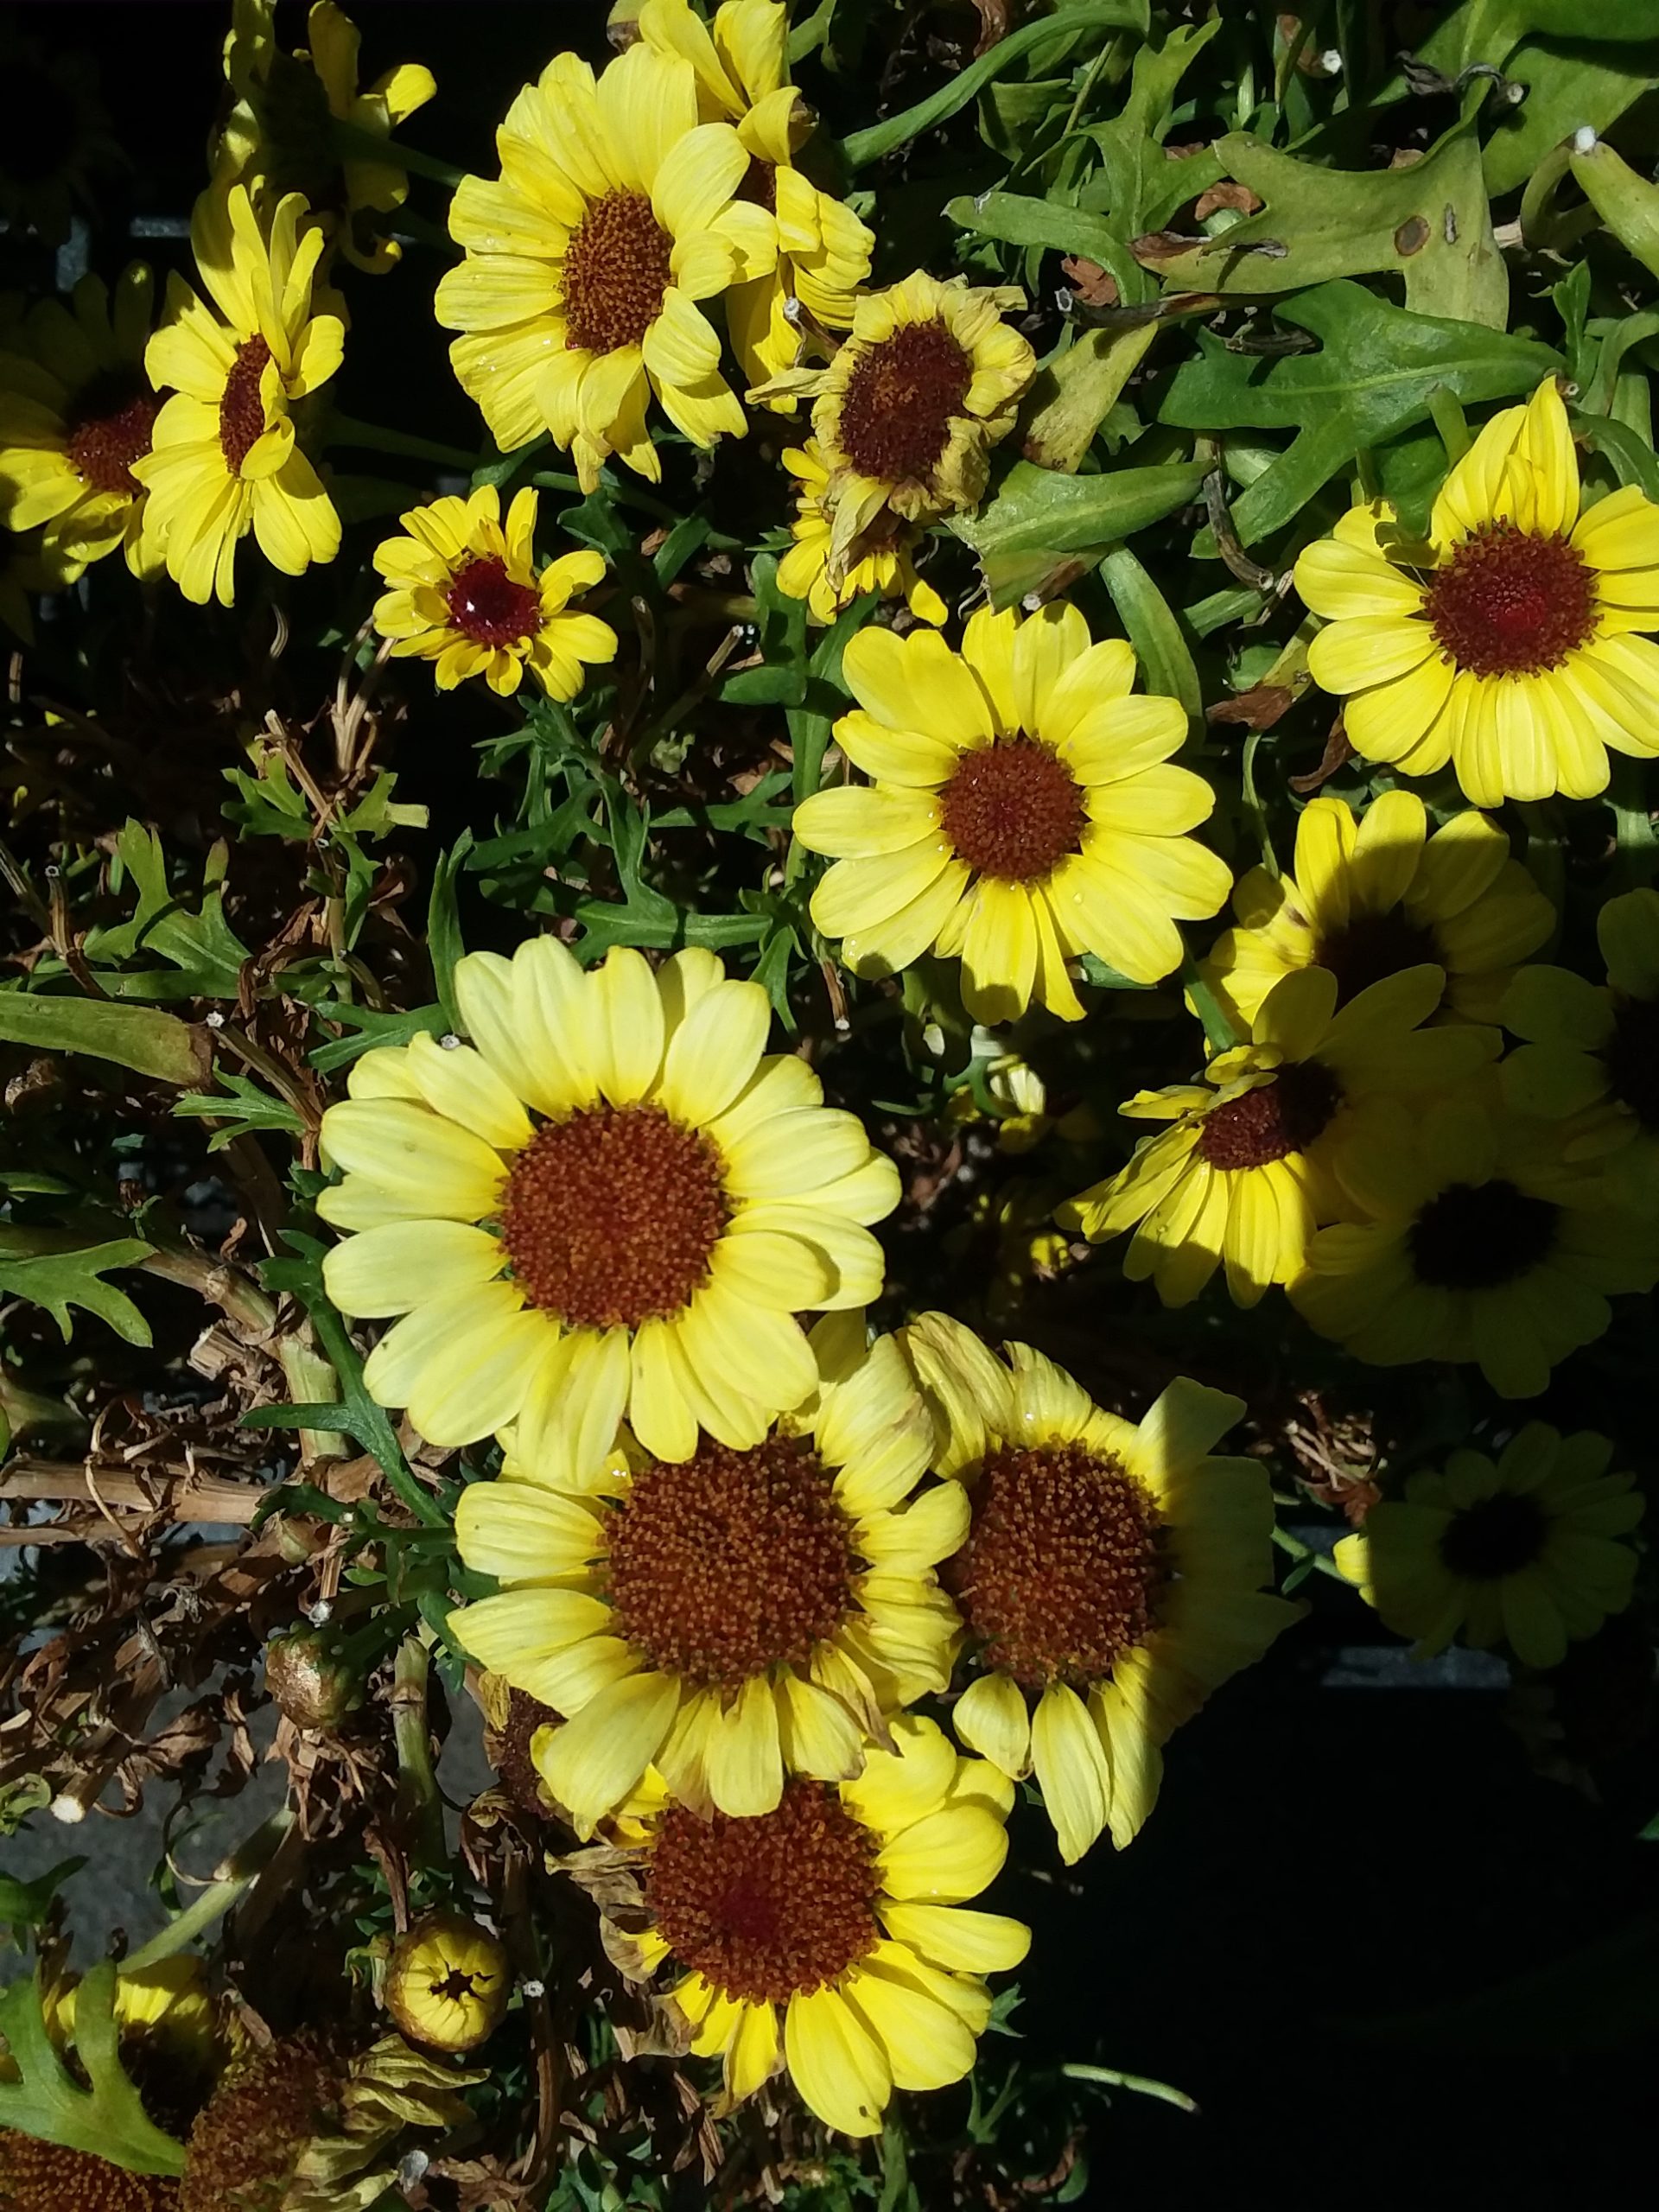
point(448, 1982)
point(885, 565)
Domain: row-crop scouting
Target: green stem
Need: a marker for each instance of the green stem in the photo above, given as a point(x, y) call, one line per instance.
point(346, 430)
point(1254, 808)
point(418, 1803)
point(250, 1860)
point(1299, 1551)
point(1219, 1032)
point(1142, 2084)
point(353, 143)
point(1447, 411)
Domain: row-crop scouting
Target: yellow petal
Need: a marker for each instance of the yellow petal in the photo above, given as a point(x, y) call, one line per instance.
point(1072, 1767)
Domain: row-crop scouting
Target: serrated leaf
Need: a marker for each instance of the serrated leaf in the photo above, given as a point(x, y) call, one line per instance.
point(141, 1037)
point(24, 1905)
point(59, 1281)
point(241, 1105)
point(1043, 528)
point(107, 2118)
point(202, 945)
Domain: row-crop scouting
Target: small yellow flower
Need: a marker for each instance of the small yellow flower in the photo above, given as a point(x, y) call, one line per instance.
point(448, 1982)
point(885, 565)
point(466, 594)
point(168, 2001)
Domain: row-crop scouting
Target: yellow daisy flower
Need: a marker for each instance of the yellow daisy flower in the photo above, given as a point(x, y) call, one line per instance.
point(1368, 898)
point(467, 594)
point(731, 1618)
point(1021, 813)
point(76, 412)
point(886, 565)
point(1524, 1551)
point(1592, 1053)
point(615, 213)
point(842, 1911)
point(1251, 1164)
point(1112, 1579)
point(822, 250)
point(1485, 1242)
point(906, 413)
point(611, 1204)
point(1507, 642)
point(224, 459)
point(280, 133)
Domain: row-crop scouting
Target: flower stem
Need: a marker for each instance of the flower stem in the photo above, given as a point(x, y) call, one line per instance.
point(246, 1863)
point(353, 143)
point(418, 1803)
point(346, 430)
point(1142, 2084)
point(1323, 1564)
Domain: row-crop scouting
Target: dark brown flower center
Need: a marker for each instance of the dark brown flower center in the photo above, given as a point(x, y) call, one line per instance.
point(896, 410)
point(511, 1749)
point(109, 428)
point(617, 268)
point(487, 606)
point(37, 2176)
point(1496, 1537)
point(1013, 809)
point(1372, 947)
point(1479, 1236)
point(1063, 1565)
point(766, 1908)
point(1284, 1115)
point(610, 1218)
point(759, 184)
point(241, 410)
point(1632, 1058)
point(1511, 602)
point(732, 1563)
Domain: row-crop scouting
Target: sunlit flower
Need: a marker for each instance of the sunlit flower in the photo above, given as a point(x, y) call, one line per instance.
point(279, 135)
point(465, 592)
point(1508, 640)
point(1485, 1242)
point(840, 1912)
point(823, 249)
point(615, 214)
point(1020, 813)
point(884, 564)
point(167, 2005)
point(1525, 1551)
point(732, 1618)
point(448, 1982)
point(1251, 1164)
point(1112, 1579)
point(613, 1203)
point(906, 413)
point(1368, 898)
point(225, 457)
point(76, 412)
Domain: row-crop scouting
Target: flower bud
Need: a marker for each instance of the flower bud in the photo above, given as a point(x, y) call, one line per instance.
point(313, 1684)
point(448, 1982)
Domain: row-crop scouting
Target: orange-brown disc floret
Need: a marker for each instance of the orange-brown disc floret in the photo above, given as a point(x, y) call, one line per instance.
point(896, 410)
point(1013, 809)
point(241, 410)
point(1511, 602)
point(1284, 1115)
point(617, 267)
point(485, 605)
point(37, 2177)
point(111, 427)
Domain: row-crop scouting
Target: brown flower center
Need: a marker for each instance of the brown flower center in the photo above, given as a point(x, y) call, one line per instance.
point(731, 1563)
point(1013, 809)
point(896, 410)
point(766, 1908)
point(1062, 1568)
point(241, 410)
point(1284, 1115)
point(511, 1749)
point(1479, 1236)
point(617, 268)
point(1511, 602)
point(37, 2177)
point(1497, 1536)
point(487, 606)
point(1372, 947)
point(110, 429)
point(1633, 1059)
point(610, 1218)
point(759, 184)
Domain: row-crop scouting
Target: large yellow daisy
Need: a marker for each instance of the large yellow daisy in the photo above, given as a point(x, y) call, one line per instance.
point(823, 249)
point(615, 213)
point(76, 412)
point(1020, 813)
point(611, 1204)
point(1112, 1577)
point(1371, 896)
point(1591, 1053)
point(732, 1619)
point(1508, 640)
point(1524, 1550)
point(467, 594)
point(829, 1936)
point(1483, 1242)
point(886, 565)
point(1252, 1163)
point(224, 459)
point(906, 413)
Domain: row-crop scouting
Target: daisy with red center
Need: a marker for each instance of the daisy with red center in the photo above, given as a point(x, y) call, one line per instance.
point(831, 1938)
point(1510, 641)
point(1255, 1157)
point(1113, 1575)
point(730, 1618)
point(465, 592)
point(611, 1204)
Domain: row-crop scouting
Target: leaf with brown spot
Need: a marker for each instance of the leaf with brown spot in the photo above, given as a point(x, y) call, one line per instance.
point(1227, 193)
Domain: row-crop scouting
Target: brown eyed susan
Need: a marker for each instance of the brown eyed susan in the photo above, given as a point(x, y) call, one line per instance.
point(1510, 641)
point(1020, 811)
point(1114, 1575)
point(466, 594)
point(886, 564)
point(611, 1204)
point(588, 263)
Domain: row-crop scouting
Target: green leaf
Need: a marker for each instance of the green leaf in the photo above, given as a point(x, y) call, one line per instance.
point(1017, 220)
point(1627, 203)
point(1490, 30)
point(443, 939)
point(25, 1905)
point(136, 1037)
point(1568, 87)
point(1042, 529)
point(201, 946)
point(59, 1281)
point(1077, 390)
point(371, 1028)
point(1144, 187)
point(1373, 377)
point(1154, 632)
point(242, 1106)
point(107, 2118)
